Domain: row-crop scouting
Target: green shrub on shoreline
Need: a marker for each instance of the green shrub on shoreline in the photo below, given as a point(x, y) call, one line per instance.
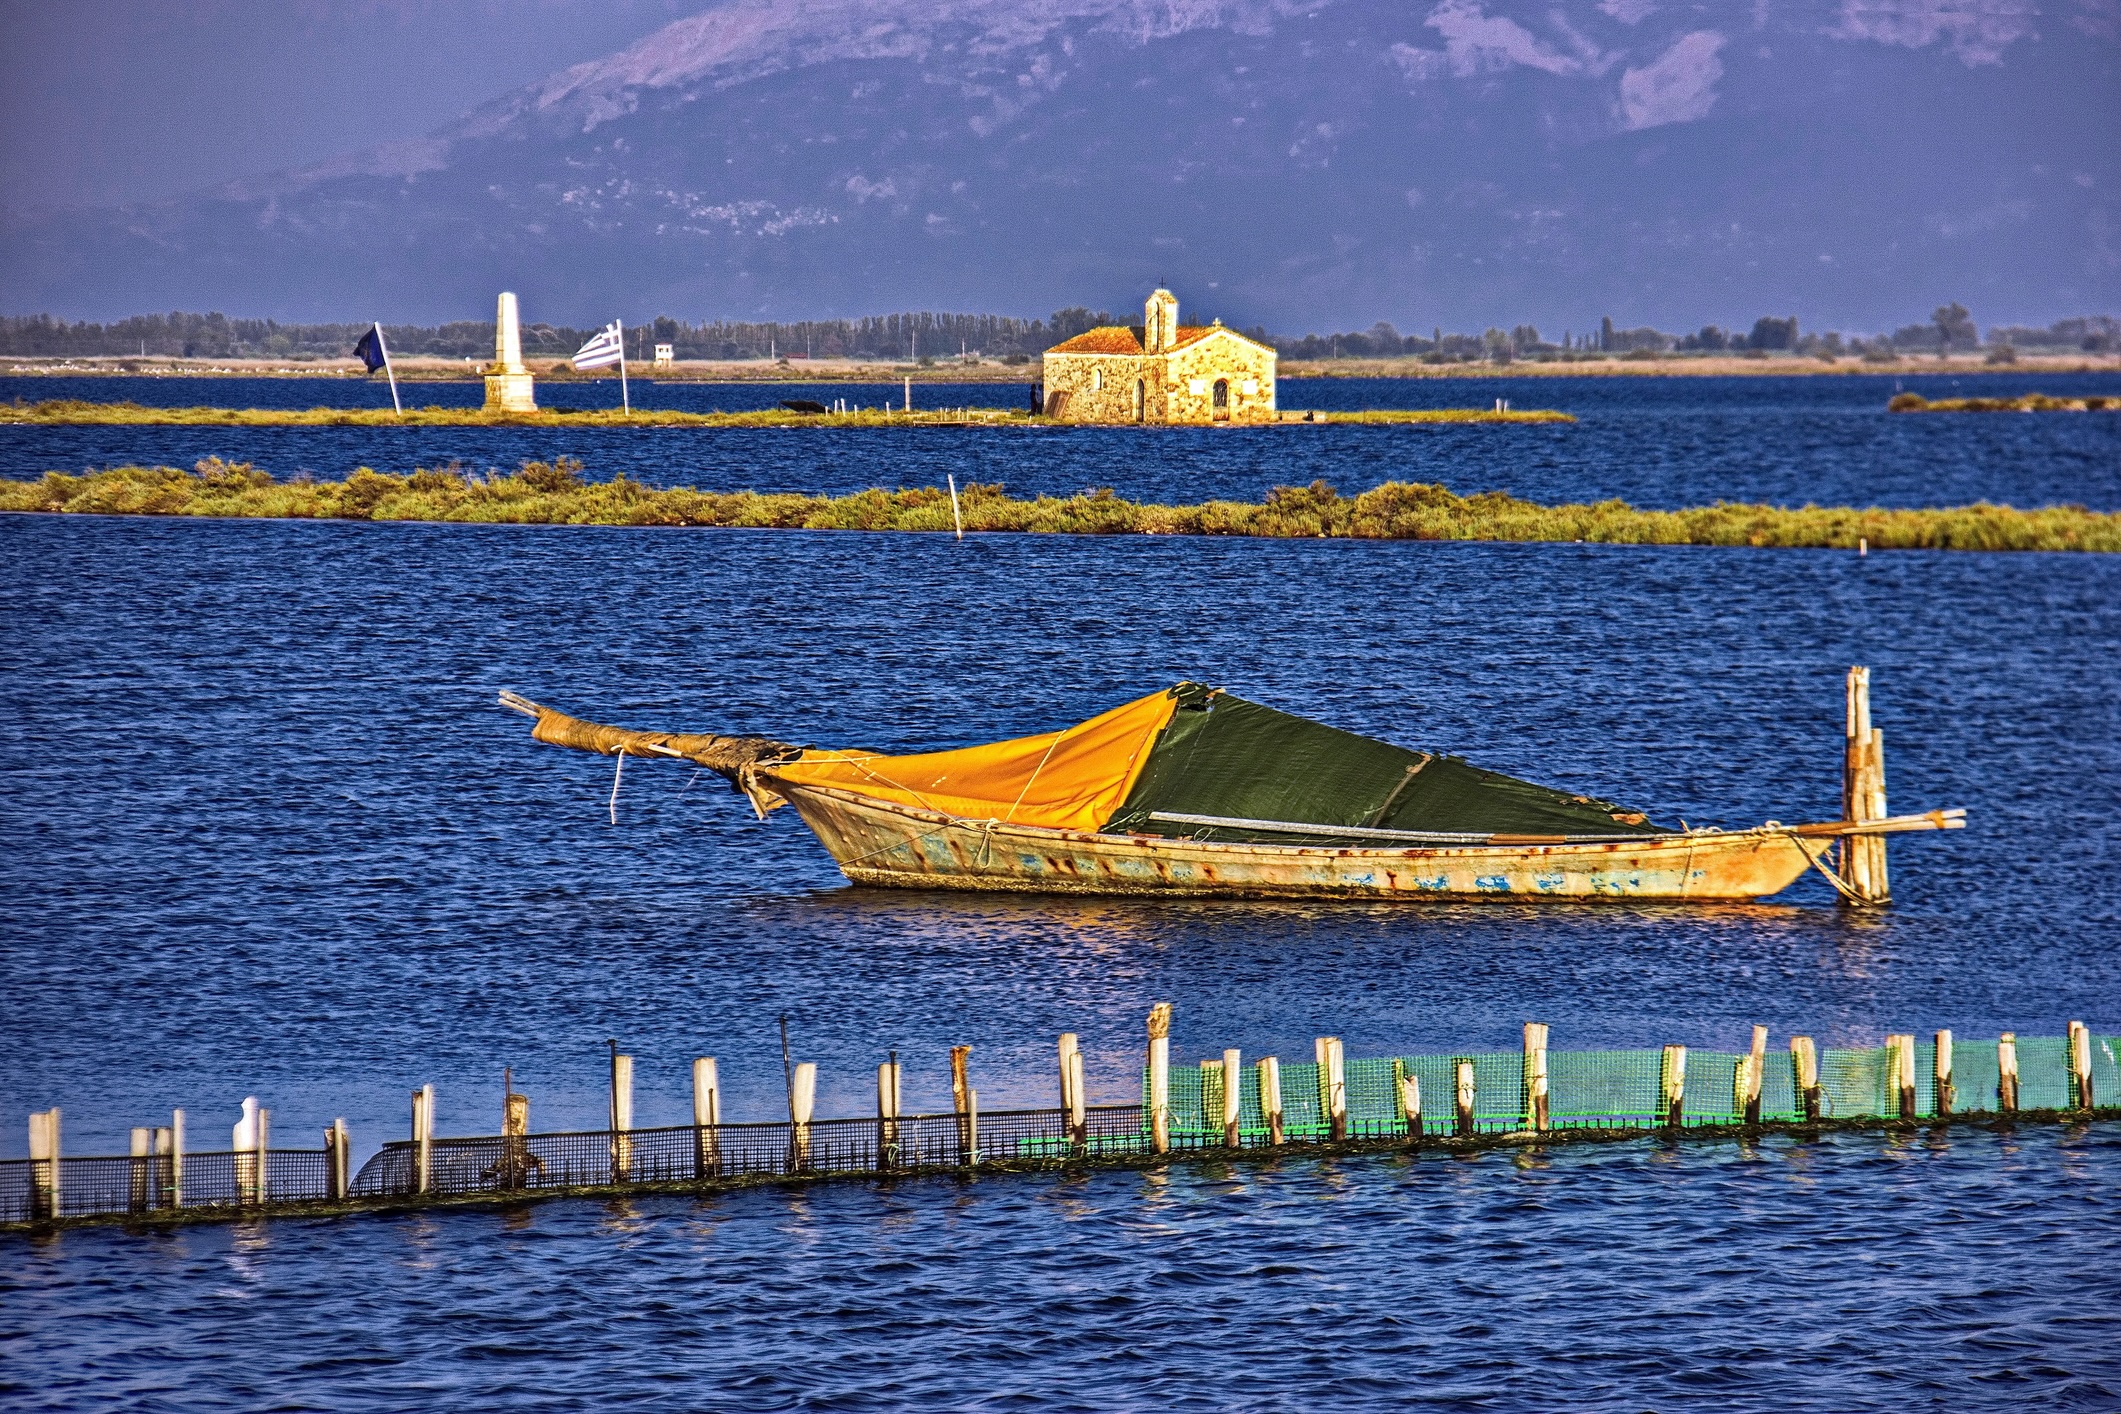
point(2029, 402)
point(553, 493)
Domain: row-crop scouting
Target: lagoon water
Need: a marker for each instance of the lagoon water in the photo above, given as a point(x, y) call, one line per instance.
point(269, 834)
point(1658, 442)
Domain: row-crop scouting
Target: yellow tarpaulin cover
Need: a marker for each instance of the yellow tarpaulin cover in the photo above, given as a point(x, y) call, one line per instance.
point(1073, 779)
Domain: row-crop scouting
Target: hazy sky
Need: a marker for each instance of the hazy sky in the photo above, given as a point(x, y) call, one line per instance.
point(104, 101)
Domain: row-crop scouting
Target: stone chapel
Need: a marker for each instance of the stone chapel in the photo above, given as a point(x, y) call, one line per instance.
point(1160, 371)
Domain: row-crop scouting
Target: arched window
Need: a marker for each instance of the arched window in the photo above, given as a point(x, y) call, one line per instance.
point(1222, 399)
point(1141, 400)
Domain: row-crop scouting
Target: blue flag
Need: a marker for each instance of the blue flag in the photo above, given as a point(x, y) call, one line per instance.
point(370, 349)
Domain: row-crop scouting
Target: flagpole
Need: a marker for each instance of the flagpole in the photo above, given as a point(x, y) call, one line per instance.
point(388, 371)
point(624, 397)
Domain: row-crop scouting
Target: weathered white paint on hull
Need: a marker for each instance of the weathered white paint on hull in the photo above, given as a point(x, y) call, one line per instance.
point(882, 844)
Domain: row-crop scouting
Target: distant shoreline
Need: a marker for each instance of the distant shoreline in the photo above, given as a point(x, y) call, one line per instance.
point(830, 371)
point(65, 413)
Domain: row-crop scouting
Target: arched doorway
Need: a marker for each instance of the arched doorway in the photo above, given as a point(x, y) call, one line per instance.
point(1222, 400)
point(1141, 400)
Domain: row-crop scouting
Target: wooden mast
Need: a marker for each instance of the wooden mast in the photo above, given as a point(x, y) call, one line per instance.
point(1863, 796)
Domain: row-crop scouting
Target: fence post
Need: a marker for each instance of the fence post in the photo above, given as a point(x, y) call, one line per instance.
point(516, 1161)
point(1671, 1086)
point(1270, 1097)
point(243, 1143)
point(264, 1153)
point(1078, 1104)
point(1900, 1064)
point(2080, 1066)
point(44, 1163)
point(2007, 1072)
point(961, 1099)
point(706, 1117)
point(1409, 1086)
point(176, 1158)
point(341, 1160)
point(165, 1185)
point(1068, 1048)
point(888, 1096)
point(972, 1126)
point(136, 1171)
point(1160, 1078)
point(802, 1101)
point(1233, 1095)
point(1535, 1077)
point(1946, 1092)
point(1755, 1075)
point(1863, 867)
point(1333, 1085)
point(1804, 1061)
point(621, 1118)
point(423, 1138)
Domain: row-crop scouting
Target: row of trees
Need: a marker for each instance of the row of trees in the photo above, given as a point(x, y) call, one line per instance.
point(926, 336)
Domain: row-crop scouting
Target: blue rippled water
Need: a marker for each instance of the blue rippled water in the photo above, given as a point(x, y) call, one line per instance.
point(268, 834)
point(1661, 442)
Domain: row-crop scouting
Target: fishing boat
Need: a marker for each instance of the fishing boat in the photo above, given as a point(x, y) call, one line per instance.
point(1196, 791)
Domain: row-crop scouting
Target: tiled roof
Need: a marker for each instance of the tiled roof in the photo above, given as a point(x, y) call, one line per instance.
point(1120, 339)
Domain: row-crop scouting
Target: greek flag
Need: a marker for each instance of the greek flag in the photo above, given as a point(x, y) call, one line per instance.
point(602, 351)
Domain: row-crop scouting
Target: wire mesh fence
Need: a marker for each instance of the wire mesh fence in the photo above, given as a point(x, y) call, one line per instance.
point(1585, 1090)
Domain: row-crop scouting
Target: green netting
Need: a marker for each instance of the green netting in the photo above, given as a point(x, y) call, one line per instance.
point(1439, 1090)
point(1303, 1110)
point(1852, 1082)
point(2106, 1070)
point(1221, 755)
point(2043, 1073)
point(1778, 1088)
point(1603, 1088)
point(1974, 1076)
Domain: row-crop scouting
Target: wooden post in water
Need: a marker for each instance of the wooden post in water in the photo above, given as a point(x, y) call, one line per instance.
point(243, 1148)
point(1270, 1098)
point(706, 1117)
point(423, 1139)
point(1863, 796)
point(1160, 1078)
point(165, 1184)
point(971, 1126)
point(1535, 1077)
point(961, 1100)
point(2007, 1073)
point(2080, 1066)
point(1233, 1095)
point(339, 1160)
point(1900, 1068)
point(1462, 1074)
point(1946, 1093)
point(889, 1093)
point(137, 1170)
point(1067, 1048)
point(264, 1153)
point(1804, 1065)
point(1671, 1086)
point(44, 1189)
point(515, 1164)
point(1755, 1076)
point(1333, 1085)
point(1409, 1087)
point(802, 1103)
point(176, 1158)
point(621, 1118)
point(1078, 1104)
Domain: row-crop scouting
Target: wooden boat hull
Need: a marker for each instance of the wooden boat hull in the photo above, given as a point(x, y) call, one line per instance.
point(883, 844)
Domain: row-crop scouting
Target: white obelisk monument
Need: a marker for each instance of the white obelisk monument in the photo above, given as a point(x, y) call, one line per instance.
point(508, 382)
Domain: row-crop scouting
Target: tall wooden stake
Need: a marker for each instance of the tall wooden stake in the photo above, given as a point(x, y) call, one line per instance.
point(1409, 1101)
point(1270, 1098)
point(1535, 1077)
point(1160, 1078)
point(1233, 1095)
point(889, 1094)
point(1462, 1076)
point(803, 1102)
point(706, 1117)
point(2080, 1066)
point(1804, 1061)
point(1671, 1086)
point(1863, 795)
point(2007, 1073)
point(1755, 1075)
point(1946, 1092)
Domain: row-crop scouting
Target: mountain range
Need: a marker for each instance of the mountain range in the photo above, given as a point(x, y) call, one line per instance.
point(1297, 165)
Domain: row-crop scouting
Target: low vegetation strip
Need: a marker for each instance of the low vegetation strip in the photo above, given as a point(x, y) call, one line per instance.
point(554, 493)
point(2030, 402)
point(73, 412)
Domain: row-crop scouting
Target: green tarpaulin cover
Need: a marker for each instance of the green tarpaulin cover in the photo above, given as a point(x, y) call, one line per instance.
point(1223, 756)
